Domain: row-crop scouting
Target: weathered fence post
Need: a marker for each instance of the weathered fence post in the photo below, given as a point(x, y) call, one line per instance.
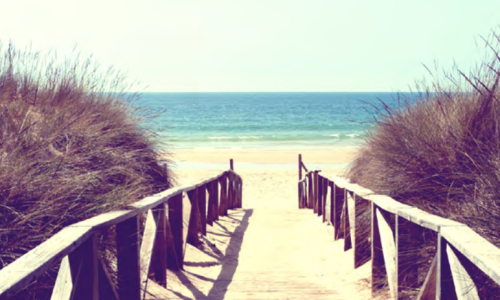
point(223, 195)
point(407, 247)
point(194, 220)
point(310, 198)
point(323, 201)
point(127, 242)
point(202, 208)
point(445, 288)
point(378, 267)
point(300, 167)
point(315, 191)
point(319, 195)
point(215, 190)
point(84, 270)
point(159, 260)
point(338, 203)
point(175, 216)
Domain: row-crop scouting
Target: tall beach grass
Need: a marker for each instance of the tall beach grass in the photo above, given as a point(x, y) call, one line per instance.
point(71, 147)
point(442, 154)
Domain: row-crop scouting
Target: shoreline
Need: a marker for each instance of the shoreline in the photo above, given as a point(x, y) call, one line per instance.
point(261, 159)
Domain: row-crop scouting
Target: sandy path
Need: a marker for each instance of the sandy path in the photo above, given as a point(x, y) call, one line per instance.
point(269, 250)
point(289, 253)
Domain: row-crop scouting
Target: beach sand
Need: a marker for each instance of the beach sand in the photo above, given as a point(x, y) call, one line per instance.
point(270, 249)
point(266, 156)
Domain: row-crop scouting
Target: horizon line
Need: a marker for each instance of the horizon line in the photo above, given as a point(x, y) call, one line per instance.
point(279, 92)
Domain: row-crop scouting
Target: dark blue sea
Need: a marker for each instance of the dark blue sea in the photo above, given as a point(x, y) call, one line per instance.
point(270, 120)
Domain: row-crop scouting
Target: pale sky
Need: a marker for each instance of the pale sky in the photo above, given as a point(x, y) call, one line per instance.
point(268, 45)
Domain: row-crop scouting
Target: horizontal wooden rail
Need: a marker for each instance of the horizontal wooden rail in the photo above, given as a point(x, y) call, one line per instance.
point(82, 273)
point(384, 231)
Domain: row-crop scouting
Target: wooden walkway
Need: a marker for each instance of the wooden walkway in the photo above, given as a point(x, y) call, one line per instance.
point(269, 250)
point(290, 254)
point(208, 246)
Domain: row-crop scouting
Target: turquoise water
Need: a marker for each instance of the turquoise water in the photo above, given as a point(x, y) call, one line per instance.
point(271, 120)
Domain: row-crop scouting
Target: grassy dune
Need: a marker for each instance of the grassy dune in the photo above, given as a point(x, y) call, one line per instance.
point(442, 154)
point(69, 149)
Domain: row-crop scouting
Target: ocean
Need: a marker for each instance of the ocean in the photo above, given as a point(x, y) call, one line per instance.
point(263, 120)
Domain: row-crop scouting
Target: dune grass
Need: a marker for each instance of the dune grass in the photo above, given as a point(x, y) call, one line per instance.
point(442, 154)
point(69, 148)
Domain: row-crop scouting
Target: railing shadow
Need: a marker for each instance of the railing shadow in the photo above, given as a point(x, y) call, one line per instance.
point(229, 262)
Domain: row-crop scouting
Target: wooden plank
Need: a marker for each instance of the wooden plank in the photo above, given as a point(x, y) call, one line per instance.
point(428, 289)
point(36, 262)
point(445, 288)
point(342, 211)
point(332, 201)
point(146, 252)
point(315, 191)
point(351, 213)
point(345, 223)
point(389, 250)
point(173, 262)
point(127, 242)
point(147, 203)
point(216, 199)
point(464, 286)
point(241, 193)
point(387, 203)
point(152, 201)
point(425, 219)
point(407, 248)
point(107, 289)
point(361, 240)
point(304, 194)
point(107, 219)
point(319, 196)
point(159, 260)
point(300, 166)
point(186, 221)
point(83, 263)
point(341, 182)
point(194, 220)
point(202, 208)
point(475, 248)
point(211, 206)
point(229, 191)
point(223, 196)
point(378, 271)
point(337, 212)
point(310, 198)
point(175, 220)
point(324, 200)
point(64, 283)
point(235, 192)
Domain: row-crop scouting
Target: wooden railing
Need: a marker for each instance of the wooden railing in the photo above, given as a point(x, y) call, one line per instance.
point(387, 232)
point(82, 273)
